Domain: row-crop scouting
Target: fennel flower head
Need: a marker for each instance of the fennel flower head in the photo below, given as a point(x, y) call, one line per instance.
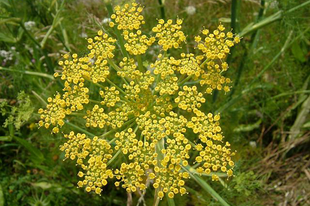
point(141, 123)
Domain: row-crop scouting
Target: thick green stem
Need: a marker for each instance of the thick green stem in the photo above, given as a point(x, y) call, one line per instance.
point(162, 9)
point(245, 54)
point(233, 19)
point(235, 6)
point(107, 133)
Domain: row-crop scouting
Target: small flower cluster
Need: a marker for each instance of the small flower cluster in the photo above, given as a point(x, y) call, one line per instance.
point(93, 156)
point(129, 21)
point(189, 99)
point(146, 115)
point(168, 34)
point(215, 47)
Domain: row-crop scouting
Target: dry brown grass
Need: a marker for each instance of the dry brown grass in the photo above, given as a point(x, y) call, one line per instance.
point(287, 178)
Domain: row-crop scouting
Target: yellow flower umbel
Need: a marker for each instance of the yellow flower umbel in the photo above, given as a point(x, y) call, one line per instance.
point(145, 116)
point(215, 47)
point(169, 35)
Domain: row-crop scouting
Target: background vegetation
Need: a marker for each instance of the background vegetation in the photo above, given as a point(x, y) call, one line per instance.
point(265, 116)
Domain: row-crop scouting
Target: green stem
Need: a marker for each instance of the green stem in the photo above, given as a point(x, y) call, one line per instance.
point(233, 24)
point(140, 63)
point(116, 86)
point(79, 128)
point(286, 45)
point(162, 9)
point(114, 65)
point(275, 17)
point(65, 36)
point(112, 140)
point(114, 157)
point(121, 42)
point(206, 186)
point(109, 81)
point(245, 54)
point(170, 201)
point(117, 32)
point(113, 130)
point(233, 19)
point(29, 73)
point(57, 19)
point(77, 114)
point(290, 93)
point(185, 80)
point(95, 101)
point(39, 98)
point(191, 143)
point(46, 36)
point(107, 133)
point(219, 174)
point(47, 58)
point(117, 69)
point(297, 7)
point(204, 62)
point(156, 199)
point(29, 35)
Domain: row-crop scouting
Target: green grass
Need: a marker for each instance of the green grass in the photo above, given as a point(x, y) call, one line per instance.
point(268, 104)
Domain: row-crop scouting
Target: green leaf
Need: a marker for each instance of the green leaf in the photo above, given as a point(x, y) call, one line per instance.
point(40, 74)
point(43, 185)
point(248, 127)
point(298, 52)
point(224, 20)
point(301, 118)
point(50, 186)
point(306, 125)
point(7, 38)
point(36, 155)
point(20, 34)
point(270, 19)
point(6, 138)
point(6, 3)
point(13, 21)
